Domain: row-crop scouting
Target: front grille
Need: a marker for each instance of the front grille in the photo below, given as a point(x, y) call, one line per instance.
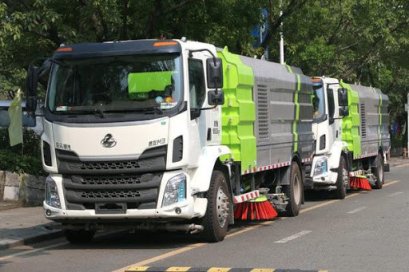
point(109, 195)
point(151, 160)
point(120, 165)
point(112, 196)
point(95, 180)
point(130, 191)
point(112, 186)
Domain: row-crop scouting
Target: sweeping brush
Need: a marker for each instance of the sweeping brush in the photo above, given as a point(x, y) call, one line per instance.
point(256, 209)
point(360, 182)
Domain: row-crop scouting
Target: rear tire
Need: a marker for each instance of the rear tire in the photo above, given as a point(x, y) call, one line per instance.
point(216, 219)
point(294, 191)
point(378, 172)
point(342, 179)
point(79, 236)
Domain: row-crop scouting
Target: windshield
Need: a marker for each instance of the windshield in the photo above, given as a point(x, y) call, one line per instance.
point(149, 83)
point(318, 102)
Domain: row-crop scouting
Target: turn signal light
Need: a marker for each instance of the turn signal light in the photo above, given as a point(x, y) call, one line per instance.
point(64, 49)
point(169, 43)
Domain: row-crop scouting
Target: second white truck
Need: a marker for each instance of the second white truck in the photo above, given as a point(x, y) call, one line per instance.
point(352, 136)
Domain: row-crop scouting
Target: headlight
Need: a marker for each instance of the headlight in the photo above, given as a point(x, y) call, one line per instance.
point(321, 166)
point(175, 190)
point(51, 193)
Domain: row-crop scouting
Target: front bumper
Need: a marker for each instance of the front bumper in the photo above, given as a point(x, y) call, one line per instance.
point(324, 181)
point(191, 207)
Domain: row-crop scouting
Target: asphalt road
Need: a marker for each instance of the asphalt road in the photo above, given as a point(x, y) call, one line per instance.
point(368, 231)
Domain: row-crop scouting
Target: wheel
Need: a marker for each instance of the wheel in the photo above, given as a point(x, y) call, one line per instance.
point(378, 172)
point(215, 221)
point(294, 191)
point(342, 179)
point(79, 236)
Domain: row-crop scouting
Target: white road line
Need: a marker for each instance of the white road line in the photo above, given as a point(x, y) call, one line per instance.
point(395, 194)
point(357, 210)
point(31, 251)
point(402, 165)
point(390, 183)
point(292, 237)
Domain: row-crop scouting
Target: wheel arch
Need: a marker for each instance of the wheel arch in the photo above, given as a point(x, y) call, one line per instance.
point(338, 149)
point(208, 161)
point(348, 159)
point(286, 171)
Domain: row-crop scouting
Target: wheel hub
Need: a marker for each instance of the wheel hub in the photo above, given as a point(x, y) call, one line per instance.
point(222, 207)
point(345, 176)
point(297, 189)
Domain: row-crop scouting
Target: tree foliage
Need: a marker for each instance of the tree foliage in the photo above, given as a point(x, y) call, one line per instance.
point(359, 41)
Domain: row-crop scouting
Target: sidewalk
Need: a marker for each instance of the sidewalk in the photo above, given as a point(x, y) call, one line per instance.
point(395, 161)
point(23, 225)
point(27, 225)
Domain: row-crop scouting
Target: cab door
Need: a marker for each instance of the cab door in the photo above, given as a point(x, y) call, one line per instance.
point(204, 126)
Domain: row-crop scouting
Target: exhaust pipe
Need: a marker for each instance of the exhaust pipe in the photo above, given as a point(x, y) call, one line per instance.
point(188, 228)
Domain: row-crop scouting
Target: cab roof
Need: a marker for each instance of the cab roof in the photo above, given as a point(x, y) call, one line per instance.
point(116, 48)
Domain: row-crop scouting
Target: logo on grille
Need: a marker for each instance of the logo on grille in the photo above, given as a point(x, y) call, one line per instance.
point(108, 141)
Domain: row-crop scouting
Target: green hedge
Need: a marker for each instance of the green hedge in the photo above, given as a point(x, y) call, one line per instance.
point(20, 158)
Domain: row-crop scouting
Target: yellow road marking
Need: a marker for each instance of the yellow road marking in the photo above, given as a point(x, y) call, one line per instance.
point(386, 184)
point(348, 196)
point(319, 206)
point(178, 268)
point(251, 228)
point(138, 268)
point(218, 269)
point(162, 256)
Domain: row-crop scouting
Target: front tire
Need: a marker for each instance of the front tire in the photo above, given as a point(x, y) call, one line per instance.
point(294, 191)
point(378, 172)
point(342, 179)
point(215, 221)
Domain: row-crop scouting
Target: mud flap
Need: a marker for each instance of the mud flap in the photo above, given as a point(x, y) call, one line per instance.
point(285, 176)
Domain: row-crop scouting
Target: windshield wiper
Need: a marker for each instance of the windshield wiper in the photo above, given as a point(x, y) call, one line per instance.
point(97, 111)
point(100, 111)
point(152, 110)
point(142, 110)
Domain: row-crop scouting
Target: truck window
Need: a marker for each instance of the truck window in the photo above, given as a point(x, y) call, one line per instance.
point(115, 84)
point(331, 104)
point(196, 83)
point(318, 102)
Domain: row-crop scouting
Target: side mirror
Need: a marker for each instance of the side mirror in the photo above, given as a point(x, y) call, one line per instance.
point(342, 97)
point(31, 87)
point(43, 72)
point(214, 73)
point(215, 98)
point(344, 111)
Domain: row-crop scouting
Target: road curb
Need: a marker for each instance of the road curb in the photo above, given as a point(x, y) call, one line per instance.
point(36, 238)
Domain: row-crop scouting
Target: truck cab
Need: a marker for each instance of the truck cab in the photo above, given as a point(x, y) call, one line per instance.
point(132, 135)
point(327, 128)
point(137, 134)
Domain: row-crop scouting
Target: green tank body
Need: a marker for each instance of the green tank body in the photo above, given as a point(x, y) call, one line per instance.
point(267, 115)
